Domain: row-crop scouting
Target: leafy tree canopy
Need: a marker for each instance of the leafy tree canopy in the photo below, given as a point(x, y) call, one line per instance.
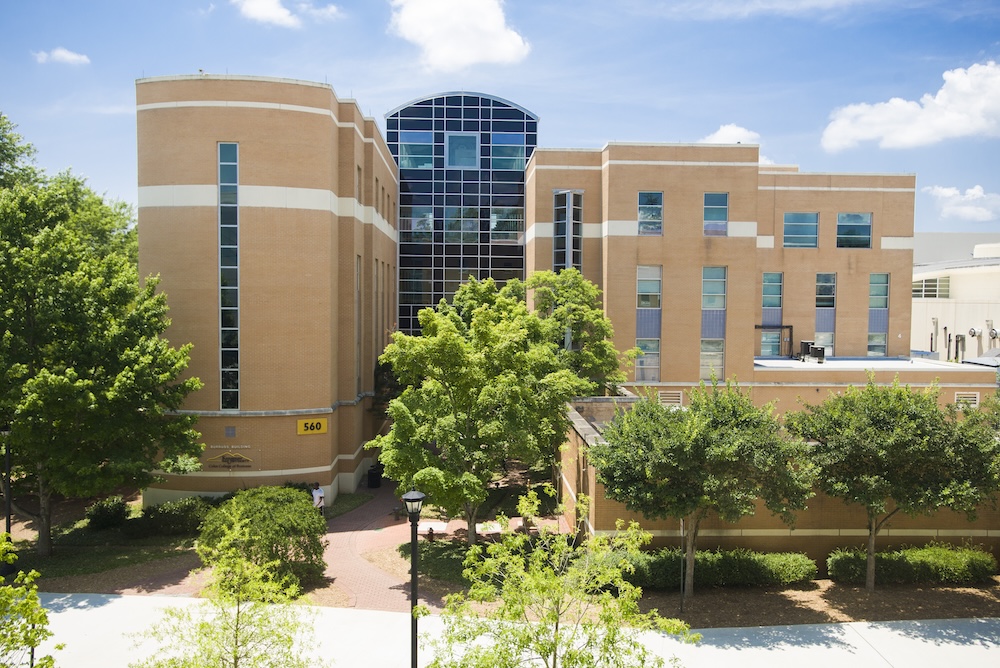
point(483, 385)
point(717, 455)
point(891, 449)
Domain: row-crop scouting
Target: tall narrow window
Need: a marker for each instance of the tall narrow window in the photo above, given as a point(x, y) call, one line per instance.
point(772, 289)
point(713, 288)
point(716, 218)
point(567, 233)
point(878, 315)
point(801, 230)
point(854, 230)
point(826, 290)
point(648, 286)
point(878, 291)
point(647, 365)
point(229, 289)
point(712, 359)
point(651, 213)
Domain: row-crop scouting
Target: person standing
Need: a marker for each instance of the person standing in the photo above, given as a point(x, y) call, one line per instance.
point(317, 493)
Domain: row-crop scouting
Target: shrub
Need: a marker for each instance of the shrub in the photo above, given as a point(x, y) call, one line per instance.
point(934, 563)
point(722, 568)
point(182, 517)
point(282, 526)
point(107, 513)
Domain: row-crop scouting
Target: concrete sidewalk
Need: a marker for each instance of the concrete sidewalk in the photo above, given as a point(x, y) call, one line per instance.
point(95, 628)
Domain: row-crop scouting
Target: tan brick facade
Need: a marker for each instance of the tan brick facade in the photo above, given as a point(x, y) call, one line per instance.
point(316, 261)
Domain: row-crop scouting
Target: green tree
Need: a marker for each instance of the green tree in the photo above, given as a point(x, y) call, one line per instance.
point(718, 455)
point(249, 620)
point(16, 157)
point(282, 527)
point(890, 449)
point(88, 385)
point(570, 304)
point(551, 600)
point(26, 622)
point(483, 385)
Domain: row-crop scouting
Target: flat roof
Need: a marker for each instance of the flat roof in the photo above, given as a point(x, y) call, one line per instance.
point(862, 364)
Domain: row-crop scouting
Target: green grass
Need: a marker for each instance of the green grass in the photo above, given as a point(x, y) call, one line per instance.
point(345, 503)
point(79, 560)
point(440, 559)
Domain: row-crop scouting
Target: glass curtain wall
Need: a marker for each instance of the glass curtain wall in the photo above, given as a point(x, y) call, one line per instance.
point(461, 160)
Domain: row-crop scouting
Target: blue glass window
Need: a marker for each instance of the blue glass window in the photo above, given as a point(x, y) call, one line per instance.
point(801, 230)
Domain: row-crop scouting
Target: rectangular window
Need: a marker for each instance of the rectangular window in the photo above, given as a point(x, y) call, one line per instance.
point(770, 343)
point(647, 365)
point(878, 291)
point(801, 230)
point(716, 219)
point(651, 213)
point(229, 291)
point(826, 290)
point(877, 345)
point(712, 359)
point(506, 224)
point(416, 150)
point(461, 225)
point(416, 223)
point(824, 340)
point(508, 150)
point(713, 288)
point(567, 235)
point(932, 288)
point(648, 286)
point(462, 151)
point(854, 230)
point(772, 289)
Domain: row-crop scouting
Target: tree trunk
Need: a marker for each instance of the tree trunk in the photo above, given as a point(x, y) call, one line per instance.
point(690, 538)
point(44, 545)
point(873, 528)
point(470, 519)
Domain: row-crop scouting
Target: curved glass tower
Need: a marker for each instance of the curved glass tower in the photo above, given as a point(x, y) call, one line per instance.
point(461, 160)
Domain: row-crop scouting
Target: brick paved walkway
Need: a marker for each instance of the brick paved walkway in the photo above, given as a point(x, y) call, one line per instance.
point(370, 527)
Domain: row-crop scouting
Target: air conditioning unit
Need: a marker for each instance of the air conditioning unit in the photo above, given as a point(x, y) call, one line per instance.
point(974, 332)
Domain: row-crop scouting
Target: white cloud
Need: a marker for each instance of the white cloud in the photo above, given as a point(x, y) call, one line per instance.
point(453, 34)
point(974, 204)
point(967, 105)
point(731, 134)
point(268, 11)
point(326, 13)
point(275, 12)
point(61, 55)
point(735, 134)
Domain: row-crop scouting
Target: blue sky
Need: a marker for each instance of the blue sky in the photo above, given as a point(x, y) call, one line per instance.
point(830, 85)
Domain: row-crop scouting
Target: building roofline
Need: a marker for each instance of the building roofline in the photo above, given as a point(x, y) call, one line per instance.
point(497, 98)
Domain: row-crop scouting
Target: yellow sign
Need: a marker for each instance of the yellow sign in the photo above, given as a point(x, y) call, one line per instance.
point(313, 426)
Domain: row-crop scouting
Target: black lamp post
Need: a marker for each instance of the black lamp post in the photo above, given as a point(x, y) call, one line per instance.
point(413, 501)
point(6, 475)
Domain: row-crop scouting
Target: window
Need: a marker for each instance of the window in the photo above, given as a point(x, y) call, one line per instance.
point(716, 221)
point(712, 358)
point(772, 289)
point(506, 223)
point(416, 223)
point(508, 150)
point(878, 291)
point(229, 290)
point(877, 344)
point(651, 213)
point(713, 288)
point(647, 365)
point(648, 288)
point(932, 288)
point(824, 340)
point(801, 230)
point(854, 230)
point(416, 150)
point(462, 151)
point(826, 290)
point(770, 343)
point(567, 236)
point(461, 225)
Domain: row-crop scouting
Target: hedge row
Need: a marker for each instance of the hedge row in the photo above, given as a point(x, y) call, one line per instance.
point(723, 568)
point(934, 563)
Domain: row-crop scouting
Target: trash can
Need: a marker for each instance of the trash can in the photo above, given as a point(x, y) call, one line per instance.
point(374, 477)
